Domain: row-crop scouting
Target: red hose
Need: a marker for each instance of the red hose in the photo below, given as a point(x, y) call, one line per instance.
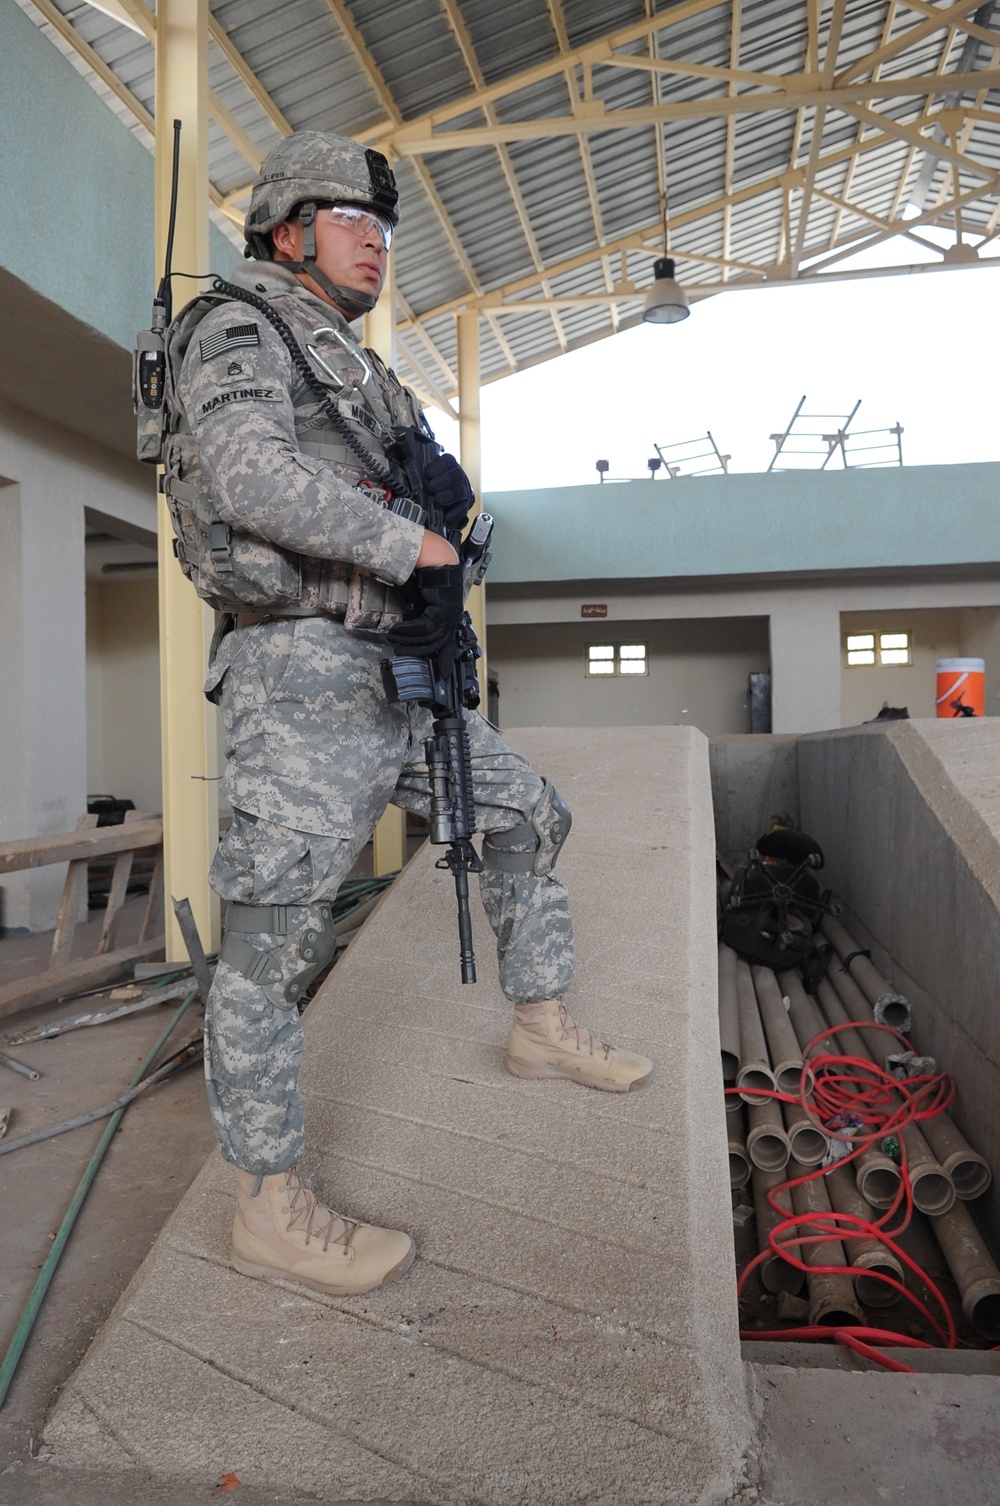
point(885, 1106)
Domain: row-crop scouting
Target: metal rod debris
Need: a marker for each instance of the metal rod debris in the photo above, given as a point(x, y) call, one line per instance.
point(99, 1016)
point(15, 1066)
point(30, 1313)
point(188, 1053)
point(195, 950)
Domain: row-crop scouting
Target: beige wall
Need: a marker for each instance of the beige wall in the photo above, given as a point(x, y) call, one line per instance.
point(697, 674)
point(123, 692)
point(49, 481)
point(937, 633)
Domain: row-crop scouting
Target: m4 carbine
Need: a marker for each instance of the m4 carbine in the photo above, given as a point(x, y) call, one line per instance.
point(448, 685)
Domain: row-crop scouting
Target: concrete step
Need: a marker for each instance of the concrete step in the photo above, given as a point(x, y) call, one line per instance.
point(569, 1330)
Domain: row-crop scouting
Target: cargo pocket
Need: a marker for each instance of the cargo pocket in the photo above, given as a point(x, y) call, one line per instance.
point(218, 658)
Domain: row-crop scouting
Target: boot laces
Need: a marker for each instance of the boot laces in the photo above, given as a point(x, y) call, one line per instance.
point(567, 1026)
point(318, 1221)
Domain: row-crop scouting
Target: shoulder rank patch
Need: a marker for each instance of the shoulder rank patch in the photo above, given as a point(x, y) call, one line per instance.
point(240, 395)
point(227, 339)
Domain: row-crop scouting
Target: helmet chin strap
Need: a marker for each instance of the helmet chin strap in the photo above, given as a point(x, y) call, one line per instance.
point(351, 303)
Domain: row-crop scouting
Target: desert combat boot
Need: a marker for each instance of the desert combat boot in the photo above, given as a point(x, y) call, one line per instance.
point(283, 1231)
point(546, 1041)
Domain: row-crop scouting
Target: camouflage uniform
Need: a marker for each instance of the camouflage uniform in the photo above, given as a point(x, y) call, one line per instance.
point(265, 494)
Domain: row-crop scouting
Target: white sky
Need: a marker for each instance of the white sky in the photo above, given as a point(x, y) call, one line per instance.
point(920, 350)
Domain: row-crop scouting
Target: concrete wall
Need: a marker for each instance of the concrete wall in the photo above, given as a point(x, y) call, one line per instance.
point(753, 779)
point(909, 817)
point(123, 691)
point(697, 674)
point(49, 479)
point(806, 619)
point(743, 525)
point(77, 189)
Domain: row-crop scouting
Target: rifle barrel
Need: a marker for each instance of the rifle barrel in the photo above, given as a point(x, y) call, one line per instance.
point(466, 955)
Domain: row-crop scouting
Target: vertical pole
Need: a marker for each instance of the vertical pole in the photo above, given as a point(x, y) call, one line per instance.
point(389, 837)
point(470, 450)
point(190, 756)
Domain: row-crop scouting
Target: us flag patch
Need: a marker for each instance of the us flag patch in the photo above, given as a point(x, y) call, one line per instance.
point(227, 339)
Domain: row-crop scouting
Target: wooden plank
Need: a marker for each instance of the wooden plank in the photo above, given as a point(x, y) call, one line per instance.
point(117, 891)
point(77, 977)
point(74, 899)
point(63, 847)
point(154, 916)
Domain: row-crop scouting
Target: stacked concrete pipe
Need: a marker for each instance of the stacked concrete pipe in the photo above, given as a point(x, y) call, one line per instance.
point(968, 1171)
point(832, 1300)
point(729, 1015)
point(739, 1160)
point(878, 1176)
point(974, 1269)
point(767, 1143)
point(775, 1272)
point(888, 1006)
point(862, 1253)
point(783, 1046)
point(754, 1078)
point(808, 1142)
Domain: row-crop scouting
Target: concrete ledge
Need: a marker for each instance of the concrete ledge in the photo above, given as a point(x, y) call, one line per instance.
point(909, 816)
point(569, 1332)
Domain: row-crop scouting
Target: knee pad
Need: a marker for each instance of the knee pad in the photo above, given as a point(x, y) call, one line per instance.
point(310, 943)
point(533, 845)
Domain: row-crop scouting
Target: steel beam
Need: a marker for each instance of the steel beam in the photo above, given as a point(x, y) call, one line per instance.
point(389, 836)
point(190, 754)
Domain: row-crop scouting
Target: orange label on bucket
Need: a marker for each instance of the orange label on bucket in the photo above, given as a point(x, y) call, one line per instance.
point(961, 688)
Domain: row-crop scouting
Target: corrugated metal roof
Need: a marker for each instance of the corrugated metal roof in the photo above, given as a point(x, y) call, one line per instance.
point(555, 214)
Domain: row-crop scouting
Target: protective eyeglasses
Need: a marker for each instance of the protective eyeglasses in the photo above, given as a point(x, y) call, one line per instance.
point(361, 222)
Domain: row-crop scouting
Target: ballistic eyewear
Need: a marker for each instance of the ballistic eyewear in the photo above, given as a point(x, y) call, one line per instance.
point(361, 221)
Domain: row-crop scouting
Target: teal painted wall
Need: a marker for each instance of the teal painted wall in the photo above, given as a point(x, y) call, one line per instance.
point(76, 189)
point(748, 524)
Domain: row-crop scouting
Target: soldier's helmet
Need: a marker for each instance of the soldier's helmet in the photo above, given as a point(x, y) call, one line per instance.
point(315, 167)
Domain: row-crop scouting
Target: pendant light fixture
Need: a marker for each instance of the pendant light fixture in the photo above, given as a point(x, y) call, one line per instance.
point(666, 301)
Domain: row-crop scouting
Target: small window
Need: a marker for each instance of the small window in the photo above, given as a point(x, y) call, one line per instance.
point(861, 648)
point(601, 659)
point(879, 648)
point(894, 648)
point(632, 659)
point(616, 659)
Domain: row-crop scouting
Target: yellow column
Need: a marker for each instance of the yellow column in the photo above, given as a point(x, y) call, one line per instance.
point(470, 452)
point(389, 838)
point(190, 757)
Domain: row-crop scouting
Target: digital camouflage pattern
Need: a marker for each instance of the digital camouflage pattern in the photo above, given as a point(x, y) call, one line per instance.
point(240, 460)
point(314, 754)
point(318, 166)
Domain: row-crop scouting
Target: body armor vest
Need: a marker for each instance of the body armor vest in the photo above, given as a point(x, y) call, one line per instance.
point(236, 571)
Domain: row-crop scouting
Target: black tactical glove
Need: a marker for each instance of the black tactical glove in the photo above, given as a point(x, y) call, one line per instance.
point(449, 490)
point(437, 613)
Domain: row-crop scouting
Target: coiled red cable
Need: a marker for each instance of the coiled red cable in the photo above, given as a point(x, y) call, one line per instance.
point(885, 1105)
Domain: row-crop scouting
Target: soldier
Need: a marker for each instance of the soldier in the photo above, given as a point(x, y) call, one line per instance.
point(278, 484)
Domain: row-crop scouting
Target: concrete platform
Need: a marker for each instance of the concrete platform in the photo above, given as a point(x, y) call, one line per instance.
point(569, 1332)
